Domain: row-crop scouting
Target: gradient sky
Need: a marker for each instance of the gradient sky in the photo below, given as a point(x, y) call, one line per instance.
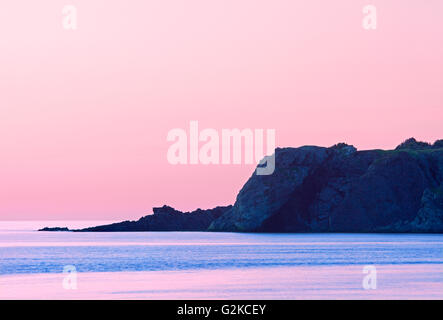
point(84, 114)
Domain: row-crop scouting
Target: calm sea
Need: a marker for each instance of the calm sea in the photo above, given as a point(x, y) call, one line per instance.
point(217, 265)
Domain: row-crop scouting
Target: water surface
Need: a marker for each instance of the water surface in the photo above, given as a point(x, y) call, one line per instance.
point(191, 263)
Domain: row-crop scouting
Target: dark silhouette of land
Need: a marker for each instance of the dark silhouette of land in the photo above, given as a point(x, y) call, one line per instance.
point(318, 189)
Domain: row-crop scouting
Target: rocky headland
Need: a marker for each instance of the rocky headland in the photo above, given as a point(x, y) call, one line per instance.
point(319, 189)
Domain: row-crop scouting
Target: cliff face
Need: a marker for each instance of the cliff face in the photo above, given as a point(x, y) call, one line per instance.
point(340, 189)
point(166, 219)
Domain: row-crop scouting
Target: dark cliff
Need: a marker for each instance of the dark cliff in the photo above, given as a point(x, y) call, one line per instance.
point(340, 189)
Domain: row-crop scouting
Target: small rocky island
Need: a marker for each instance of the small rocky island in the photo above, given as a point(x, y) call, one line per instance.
point(54, 229)
point(319, 189)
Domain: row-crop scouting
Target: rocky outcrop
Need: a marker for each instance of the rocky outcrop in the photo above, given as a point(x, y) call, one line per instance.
point(263, 195)
point(430, 215)
point(340, 189)
point(318, 189)
point(166, 219)
point(54, 229)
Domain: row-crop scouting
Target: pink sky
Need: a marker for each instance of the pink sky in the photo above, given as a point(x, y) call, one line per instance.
point(84, 114)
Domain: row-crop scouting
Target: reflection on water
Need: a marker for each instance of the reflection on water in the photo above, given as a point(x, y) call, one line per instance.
point(220, 265)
